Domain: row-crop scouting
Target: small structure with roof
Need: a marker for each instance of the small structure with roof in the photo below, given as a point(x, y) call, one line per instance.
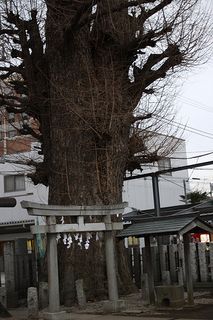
point(181, 225)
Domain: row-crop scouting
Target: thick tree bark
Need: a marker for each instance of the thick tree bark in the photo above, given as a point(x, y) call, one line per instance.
point(89, 138)
point(88, 146)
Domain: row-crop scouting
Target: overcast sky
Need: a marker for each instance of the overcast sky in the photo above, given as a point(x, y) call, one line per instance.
point(195, 104)
point(195, 109)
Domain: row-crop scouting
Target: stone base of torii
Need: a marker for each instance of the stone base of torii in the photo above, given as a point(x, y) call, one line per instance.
point(52, 229)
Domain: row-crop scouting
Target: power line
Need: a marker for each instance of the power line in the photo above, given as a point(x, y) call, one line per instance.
point(197, 151)
point(186, 128)
point(181, 178)
point(196, 104)
point(175, 183)
point(174, 169)
point(199, 156)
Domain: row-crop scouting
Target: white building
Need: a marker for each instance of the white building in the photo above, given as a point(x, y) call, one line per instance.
point(15, 183)
point(138, 193)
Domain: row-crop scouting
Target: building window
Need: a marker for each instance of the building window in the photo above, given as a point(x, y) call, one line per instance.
point(14, 183)
point(165, 164)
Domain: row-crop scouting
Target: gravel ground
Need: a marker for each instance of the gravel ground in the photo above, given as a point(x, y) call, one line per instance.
point(135, 303)
point(202, 310)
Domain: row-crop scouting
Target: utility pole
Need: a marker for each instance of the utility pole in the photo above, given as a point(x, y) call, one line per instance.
point(185, 193)
point(155, 186)
point(211, 189)
point(156, 194)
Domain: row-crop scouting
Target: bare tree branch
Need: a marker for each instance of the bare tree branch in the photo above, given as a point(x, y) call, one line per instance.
point(141, 118)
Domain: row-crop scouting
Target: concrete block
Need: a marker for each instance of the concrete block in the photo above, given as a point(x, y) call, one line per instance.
point(43, 295)
point(170, 296)
point(32, 303)
point(114, 306)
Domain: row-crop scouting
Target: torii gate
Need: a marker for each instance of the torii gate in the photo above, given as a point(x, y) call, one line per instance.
point(52, 228)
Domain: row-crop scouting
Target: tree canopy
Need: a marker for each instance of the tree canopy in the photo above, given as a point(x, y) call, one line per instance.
point(196, 196)
point(118, 56)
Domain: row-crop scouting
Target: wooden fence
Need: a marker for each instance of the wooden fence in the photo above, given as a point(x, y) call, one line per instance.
point(168, 260)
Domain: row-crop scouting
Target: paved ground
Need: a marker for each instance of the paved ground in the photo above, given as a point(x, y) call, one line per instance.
point(111, 317)
point(201, 312)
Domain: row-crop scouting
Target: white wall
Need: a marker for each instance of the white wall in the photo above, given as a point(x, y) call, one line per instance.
point(37, 193)
point(138, 193)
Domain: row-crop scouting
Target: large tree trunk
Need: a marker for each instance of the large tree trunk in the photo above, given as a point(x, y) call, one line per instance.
point(89, 145)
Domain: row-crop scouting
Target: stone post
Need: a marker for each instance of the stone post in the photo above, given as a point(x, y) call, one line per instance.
point(180, 276)
point(149, 270)
point(162, 255)
point(202, 262)
point(145, 288)
point(188, 271)
point(32, 303)
point(211, 258)
point(80, 293)
point(166, 277)
point(181, 258)
point(193, 261)
point(172, 249)
point(9, 268)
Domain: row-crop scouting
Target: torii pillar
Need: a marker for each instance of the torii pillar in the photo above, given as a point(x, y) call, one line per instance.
point(52, 265)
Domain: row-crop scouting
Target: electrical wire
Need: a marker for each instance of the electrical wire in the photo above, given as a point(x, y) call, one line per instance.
point(199, 156)
point(196, 104)
point(194, 168)
point(175, 183)
point(197, 151)
point(185, 127)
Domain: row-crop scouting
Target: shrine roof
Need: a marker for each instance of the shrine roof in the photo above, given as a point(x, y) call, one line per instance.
point(176, 224)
